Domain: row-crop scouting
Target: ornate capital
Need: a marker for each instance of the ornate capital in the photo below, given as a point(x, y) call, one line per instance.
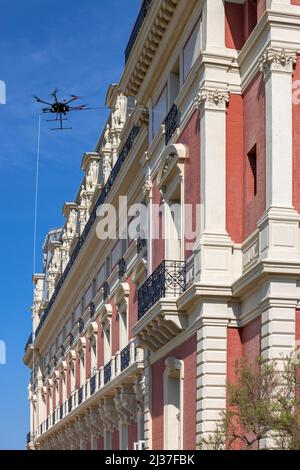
point(277, 60)
point(212, 98)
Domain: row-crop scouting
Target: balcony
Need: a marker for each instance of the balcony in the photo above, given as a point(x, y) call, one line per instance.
point(168, 280)
point(137, 27)
point(172, 122)
point(159, 320)
point(129, 362)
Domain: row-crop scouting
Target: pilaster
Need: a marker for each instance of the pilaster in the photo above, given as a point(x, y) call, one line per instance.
point(211, 368)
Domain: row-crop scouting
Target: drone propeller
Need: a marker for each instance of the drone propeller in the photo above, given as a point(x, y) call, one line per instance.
point(39, 100)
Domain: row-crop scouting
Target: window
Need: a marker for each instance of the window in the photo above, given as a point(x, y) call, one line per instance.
point(252, 174)
point(160, 111)
point(174, 83)
point(192, 49)
point(64, 387)
point(101, 277)
point(88, 296)
point(72, 376)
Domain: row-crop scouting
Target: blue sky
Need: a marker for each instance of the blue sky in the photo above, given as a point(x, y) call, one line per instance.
point(78, 47)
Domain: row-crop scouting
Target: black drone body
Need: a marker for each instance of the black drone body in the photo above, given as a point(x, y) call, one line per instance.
point(60, 109)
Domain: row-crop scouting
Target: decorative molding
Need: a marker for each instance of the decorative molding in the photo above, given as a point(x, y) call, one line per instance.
point(212, 98)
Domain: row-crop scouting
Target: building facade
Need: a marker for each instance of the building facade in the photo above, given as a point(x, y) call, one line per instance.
point(134, 337)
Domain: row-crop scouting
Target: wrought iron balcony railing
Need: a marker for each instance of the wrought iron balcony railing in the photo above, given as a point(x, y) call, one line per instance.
point(100, 377)
point(92, 309)
point(106, 189)
point(140, 245)
point(137, 27)
point(70, 404)
point(125, 357)
point(106, 290)
point(122, 268)
point(168, 280)
point(172, 122)
point(107, 372)
point(93, 384)
point(61, 411)
point(80, 395)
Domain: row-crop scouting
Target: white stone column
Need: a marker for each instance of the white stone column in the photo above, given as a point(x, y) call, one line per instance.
point(211, 369)
point(278, 320)
point(279, 226)
point(277, 66)
point(213, 262)
point(212, 103)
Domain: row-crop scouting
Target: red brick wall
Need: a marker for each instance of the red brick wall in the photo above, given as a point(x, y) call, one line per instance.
point(100, 443)
point(132, 435)
point(190, 137)
point(77, 371)
point(240, 20)
point(114, 329)
point(87, 358)
point(60, 389)
point(254, 134)
point(261, 8)
point(132, 306)
point(100, 346)
point(250, 337)
point(242, 342)
point(296, 142)
point(234, 25)
point(187, 353)
point(234, 168)
point(68, 379)
point(298, 325)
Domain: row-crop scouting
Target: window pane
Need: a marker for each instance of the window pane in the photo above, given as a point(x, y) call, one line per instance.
point(191, 50)
point(160, 111)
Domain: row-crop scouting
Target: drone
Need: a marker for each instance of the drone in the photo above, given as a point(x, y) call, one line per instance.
point(60, 109)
